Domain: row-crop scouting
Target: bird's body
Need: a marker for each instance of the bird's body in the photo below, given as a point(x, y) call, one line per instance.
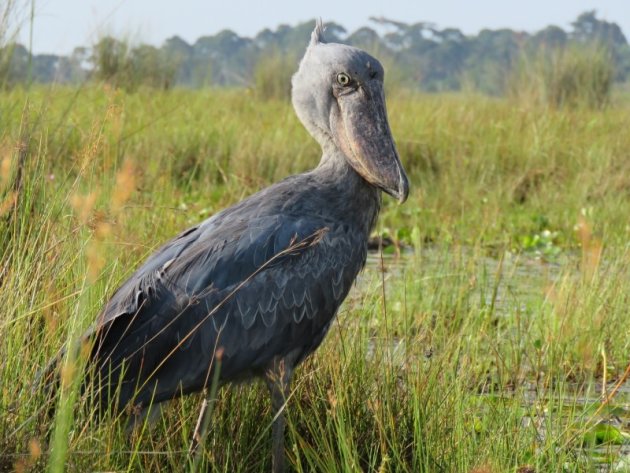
point(261, 280)
point(259, 283)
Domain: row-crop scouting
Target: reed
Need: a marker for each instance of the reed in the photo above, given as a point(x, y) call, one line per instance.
point(494, 344)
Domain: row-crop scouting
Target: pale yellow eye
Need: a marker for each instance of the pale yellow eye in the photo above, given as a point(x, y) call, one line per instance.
point(343, 79)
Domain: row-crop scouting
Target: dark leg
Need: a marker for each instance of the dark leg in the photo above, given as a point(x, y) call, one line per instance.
point(147, 416)
point(278, 379)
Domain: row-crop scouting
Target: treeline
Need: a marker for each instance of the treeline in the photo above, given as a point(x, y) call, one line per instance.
point(419, 55)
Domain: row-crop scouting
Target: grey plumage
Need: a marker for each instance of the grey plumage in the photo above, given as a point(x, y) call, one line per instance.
point(286, 306)
point(261, 280)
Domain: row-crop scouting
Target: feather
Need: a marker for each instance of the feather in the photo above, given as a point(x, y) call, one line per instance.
point(317, 36)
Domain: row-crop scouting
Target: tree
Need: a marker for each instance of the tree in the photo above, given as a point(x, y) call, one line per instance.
point(550, 37)
point(14, 64)
point(45, 67)
point(110, 59)
point(179, 54)
point(587, 28)
point(74, 68)
point(418, 55)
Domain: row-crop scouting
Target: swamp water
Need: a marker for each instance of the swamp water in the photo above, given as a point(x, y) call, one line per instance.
point(507, 285)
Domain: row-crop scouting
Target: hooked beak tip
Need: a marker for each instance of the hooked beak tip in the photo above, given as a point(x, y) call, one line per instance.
point(403, 190)
point(401, 193)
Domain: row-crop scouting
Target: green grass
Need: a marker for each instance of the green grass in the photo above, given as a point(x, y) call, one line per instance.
point(484, 350)
point(578, 76)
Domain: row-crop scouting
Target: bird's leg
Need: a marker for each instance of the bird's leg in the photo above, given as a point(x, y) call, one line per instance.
point(145, 417)
point(278, 379)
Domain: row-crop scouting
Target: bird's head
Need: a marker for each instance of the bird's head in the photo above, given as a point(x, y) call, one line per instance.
point(338, 95)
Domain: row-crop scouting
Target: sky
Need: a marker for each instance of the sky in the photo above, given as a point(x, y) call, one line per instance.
point(60, 25)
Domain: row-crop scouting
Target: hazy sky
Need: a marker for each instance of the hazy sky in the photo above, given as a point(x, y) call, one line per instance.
point(60, 25)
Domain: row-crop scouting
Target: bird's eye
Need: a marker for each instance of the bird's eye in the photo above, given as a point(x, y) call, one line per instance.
point(343, 79)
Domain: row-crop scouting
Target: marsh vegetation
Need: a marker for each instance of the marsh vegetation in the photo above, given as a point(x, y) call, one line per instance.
point(490, 336)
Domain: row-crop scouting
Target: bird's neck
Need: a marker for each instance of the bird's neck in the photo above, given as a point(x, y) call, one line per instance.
point(357, 200)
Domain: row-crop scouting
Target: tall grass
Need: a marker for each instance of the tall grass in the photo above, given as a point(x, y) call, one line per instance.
point(573, 76)
point(474, 355)
point(8, 33)
point(272, 76)
point(119, 64)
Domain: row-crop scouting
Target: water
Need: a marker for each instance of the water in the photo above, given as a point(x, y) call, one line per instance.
point(513, 283)
point(517, 278)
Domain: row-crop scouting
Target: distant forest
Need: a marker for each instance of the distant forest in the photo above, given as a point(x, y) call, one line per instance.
point(418, 55)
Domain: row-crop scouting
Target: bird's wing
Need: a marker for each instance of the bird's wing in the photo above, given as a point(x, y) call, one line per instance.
point(251, 286)
point(212, 257)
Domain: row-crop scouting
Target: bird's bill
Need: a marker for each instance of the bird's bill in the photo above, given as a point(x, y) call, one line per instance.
point(365, 138)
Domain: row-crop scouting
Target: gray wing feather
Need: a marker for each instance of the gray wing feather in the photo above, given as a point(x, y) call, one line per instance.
point(206, 289)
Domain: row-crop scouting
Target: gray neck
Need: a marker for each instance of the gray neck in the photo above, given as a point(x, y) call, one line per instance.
point(353, 199)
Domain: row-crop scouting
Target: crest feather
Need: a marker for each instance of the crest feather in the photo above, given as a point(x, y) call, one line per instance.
point(317, 36)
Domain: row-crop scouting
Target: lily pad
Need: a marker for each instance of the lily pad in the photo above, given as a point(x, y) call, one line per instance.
point(604, 434)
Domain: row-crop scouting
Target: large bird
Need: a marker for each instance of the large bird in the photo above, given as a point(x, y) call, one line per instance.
point(260, 282)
